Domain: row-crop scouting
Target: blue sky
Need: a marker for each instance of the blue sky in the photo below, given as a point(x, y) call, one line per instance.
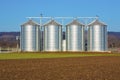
point(13, 12)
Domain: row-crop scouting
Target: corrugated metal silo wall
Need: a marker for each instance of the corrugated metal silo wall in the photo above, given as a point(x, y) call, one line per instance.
point(52, 38)
point(75, 38)
point(97, 38)
point(30, 38)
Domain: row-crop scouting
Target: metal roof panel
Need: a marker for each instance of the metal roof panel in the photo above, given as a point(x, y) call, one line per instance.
point(52, 22)
point(96, 22)
point(30, 22)
point(75, 22)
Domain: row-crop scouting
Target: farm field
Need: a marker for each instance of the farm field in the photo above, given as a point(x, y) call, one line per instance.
point(96, 67)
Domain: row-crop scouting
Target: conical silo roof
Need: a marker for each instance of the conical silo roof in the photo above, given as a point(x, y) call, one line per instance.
point(52, 22)
point(30, 22)
point(96, 22)
point(75, 22)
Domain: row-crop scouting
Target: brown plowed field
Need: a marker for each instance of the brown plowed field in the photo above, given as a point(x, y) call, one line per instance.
point(83, 68)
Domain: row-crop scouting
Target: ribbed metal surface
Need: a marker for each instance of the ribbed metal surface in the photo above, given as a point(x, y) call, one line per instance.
point(52, 36)
point(30, 37)
point(75, 36)
point(97, 36)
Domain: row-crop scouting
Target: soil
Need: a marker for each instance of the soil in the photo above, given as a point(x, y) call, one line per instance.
point(82, 68)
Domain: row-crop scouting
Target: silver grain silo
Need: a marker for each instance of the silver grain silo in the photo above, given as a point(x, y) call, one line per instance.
point(52, 36)
point(75, 36)
point(97, 36)
point(30, 39)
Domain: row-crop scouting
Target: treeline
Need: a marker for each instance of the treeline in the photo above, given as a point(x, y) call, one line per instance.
point(8, 39)
point(113, 39)
point(10, 33)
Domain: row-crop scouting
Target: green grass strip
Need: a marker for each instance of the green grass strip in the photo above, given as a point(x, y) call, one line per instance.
point(44, 55)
